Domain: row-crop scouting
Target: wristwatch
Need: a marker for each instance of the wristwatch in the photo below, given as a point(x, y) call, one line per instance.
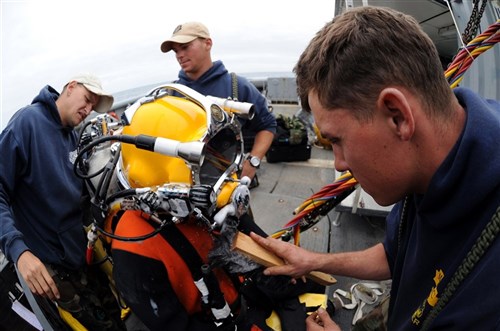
point(254, 161)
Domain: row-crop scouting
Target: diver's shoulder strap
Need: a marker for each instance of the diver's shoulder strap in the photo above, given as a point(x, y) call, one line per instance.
point(205, 280)
point(185, 249)
point(234, 83)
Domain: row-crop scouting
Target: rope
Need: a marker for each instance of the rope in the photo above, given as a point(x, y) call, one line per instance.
point(477, 46)
point(481, 245)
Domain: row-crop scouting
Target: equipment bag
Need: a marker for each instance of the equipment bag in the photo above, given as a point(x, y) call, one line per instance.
point(290, 142)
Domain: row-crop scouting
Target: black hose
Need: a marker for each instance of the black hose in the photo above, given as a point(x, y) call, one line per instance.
point(121, 138)
point(102, 190)
point(138, 238)
point(120, 194)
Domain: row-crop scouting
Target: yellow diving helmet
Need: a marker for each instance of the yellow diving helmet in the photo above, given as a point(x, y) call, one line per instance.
point(168, 117)
point(176, 113)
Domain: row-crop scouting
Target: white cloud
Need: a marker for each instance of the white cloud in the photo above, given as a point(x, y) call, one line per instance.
point(48, 41)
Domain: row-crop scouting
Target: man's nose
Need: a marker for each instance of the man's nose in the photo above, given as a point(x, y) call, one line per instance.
point(88, 108)
point(339, 161)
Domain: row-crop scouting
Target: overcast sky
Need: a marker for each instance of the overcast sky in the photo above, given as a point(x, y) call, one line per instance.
point(48, 41)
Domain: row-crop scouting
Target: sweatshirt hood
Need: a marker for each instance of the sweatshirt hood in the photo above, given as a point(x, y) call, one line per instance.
point(475, 152)
point(48, 96)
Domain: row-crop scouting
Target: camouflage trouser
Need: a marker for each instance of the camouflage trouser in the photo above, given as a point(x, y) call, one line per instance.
point(87, 296)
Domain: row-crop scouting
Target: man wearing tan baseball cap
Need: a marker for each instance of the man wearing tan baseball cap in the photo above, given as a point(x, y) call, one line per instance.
point(82, 94)
point(192, 45)
point(93, 84)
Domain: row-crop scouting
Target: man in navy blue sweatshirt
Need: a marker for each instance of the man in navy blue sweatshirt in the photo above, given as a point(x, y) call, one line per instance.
point(374, 82)
point(41, 213)
point(192, 45)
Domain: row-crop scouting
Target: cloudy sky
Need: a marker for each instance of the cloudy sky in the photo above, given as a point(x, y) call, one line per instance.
point(48, 41)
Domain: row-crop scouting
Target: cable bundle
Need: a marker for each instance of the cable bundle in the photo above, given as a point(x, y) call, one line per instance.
point(463, 60)
point(318, 205)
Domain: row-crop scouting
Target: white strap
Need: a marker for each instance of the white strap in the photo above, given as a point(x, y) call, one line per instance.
point(362, 294)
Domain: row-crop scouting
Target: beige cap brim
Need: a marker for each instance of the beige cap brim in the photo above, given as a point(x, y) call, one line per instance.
point(166, 46)
point(105, 100)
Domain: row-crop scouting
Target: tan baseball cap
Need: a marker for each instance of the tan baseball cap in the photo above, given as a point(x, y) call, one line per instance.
point(93, 84)
point(185, 33)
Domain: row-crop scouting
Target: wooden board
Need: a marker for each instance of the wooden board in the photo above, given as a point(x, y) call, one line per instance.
point(245, 245)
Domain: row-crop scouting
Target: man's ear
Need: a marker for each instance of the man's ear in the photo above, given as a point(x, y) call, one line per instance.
point(70, 87)
point(208, 43)
point(394, 104)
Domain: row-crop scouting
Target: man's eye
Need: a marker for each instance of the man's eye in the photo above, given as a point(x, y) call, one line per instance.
point(334, 141)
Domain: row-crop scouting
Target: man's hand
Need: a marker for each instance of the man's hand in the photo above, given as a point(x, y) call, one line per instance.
point(321, 321)
point(37, 276)
point(298, 261)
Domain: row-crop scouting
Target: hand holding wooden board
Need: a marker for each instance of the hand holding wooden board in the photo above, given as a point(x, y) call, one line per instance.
point(245, 245)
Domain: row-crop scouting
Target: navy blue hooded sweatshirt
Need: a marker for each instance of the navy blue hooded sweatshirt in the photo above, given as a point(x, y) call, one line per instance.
point(40, 195)
point(217, 82)
point(442, 226)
